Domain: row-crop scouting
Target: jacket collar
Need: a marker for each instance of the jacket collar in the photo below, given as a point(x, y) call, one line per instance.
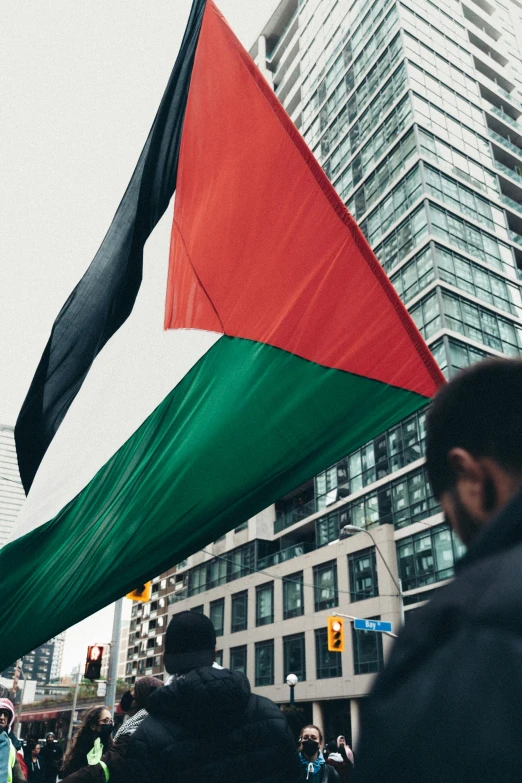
point(502, 533)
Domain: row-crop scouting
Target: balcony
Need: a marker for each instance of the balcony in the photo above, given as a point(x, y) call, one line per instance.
point(286, 518)
point(285, 554)
point(503, 116)
point(508, 172)
point(509, 202)
point(179, 595)
point(515, 237)
point(506, 142)
point(482, 21)
point(510, 97)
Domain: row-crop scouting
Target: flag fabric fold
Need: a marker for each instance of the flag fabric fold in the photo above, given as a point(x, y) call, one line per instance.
point(285, 348)
point(104, 297)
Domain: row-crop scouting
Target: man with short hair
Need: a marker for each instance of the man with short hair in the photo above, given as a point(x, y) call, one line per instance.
point(447, 707)
point(206, 724)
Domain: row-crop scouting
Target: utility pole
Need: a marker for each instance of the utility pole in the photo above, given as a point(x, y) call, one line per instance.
point(18, 671)
point(110, 696)
point(75, 699)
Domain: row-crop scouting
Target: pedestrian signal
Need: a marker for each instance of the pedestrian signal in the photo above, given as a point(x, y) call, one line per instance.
point(93, 663)
point(142, 593)
point(335, 634)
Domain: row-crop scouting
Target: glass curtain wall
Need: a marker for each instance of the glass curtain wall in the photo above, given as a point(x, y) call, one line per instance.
point(393, 108)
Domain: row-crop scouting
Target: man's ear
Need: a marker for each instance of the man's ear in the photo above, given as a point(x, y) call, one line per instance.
point(471, 480)
point(465, 467)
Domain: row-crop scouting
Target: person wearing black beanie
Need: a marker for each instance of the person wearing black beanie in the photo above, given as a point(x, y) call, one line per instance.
point(205, 723)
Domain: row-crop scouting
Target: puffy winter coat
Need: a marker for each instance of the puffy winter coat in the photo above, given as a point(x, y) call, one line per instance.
point(207, 727)
point(447, 707)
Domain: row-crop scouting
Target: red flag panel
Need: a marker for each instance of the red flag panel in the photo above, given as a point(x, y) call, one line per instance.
point(262, 246)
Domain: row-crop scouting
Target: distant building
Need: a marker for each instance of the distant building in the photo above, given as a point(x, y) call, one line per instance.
point(36, 665)
point(12, 494)
point(56, 663)
point(147, 628)
point(124, 643)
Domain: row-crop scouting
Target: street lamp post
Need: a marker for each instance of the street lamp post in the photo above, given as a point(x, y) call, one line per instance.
point(292, 682)
point(398, 584)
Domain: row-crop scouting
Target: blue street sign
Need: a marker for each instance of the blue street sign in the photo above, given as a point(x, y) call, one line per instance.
point(372, 625)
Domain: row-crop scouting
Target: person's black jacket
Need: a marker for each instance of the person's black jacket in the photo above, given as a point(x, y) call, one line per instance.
point(35, 770)
point(207, 727)
point(52, 755)
point(448, 706)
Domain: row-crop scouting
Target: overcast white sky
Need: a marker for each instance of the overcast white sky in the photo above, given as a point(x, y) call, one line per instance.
point(80, 83)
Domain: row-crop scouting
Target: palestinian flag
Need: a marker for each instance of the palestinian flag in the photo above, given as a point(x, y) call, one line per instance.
point(285, 347)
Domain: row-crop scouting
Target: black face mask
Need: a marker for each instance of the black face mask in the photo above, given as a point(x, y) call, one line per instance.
point(105, 732)
point(126, 701)
point(310, 747)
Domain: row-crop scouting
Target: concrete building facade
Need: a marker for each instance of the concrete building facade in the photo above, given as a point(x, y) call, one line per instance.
point(36, 665)
point(12, 494)
point(56, 663)
point(413, 110)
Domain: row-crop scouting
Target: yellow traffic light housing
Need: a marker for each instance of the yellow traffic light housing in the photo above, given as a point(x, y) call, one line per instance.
point(93, 663)
point(142, 593)
point(335, 634)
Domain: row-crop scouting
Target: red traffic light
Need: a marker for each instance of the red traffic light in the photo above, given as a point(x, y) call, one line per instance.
point(93, 663)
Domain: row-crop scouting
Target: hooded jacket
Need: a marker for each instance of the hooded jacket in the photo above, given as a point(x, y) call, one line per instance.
point(9, 761)
point(207, 727)
point(447, 707)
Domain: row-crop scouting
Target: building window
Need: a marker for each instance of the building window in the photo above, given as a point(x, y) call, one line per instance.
point(264, 663)
point(328, 528)
point(198, 609)
point(398, 201)
point(428, 557)
point(362, 570)
point(397, 447)
point(218, 572)
point(293, 600)
point(219, 657)
point(265, 604)
point(238, 659)
point(401, 502)
point(325, 586)
point(462, 355)
point(416, 275)
point(466, 201)
point(242, 526)
point(197, 579)
point(239, 611)
point(242, 561)
point(482, 325)
point(294, 656)
point(327, 664)
point(465, 236)
point(295, 508)
point(367, 651)
point(217, 615)
point(403, 239)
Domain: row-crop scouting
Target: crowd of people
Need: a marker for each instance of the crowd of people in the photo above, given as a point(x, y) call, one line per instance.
point(446, 707)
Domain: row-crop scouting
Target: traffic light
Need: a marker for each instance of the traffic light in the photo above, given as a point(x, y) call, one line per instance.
point(93, 663)
point(335, 634)
point(142, 593)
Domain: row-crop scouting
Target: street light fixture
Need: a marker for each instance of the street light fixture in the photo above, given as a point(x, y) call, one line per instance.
point(398, 584)
point(291, 680)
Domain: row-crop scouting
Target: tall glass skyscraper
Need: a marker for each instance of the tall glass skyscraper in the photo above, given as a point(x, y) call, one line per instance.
point(412, 108)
